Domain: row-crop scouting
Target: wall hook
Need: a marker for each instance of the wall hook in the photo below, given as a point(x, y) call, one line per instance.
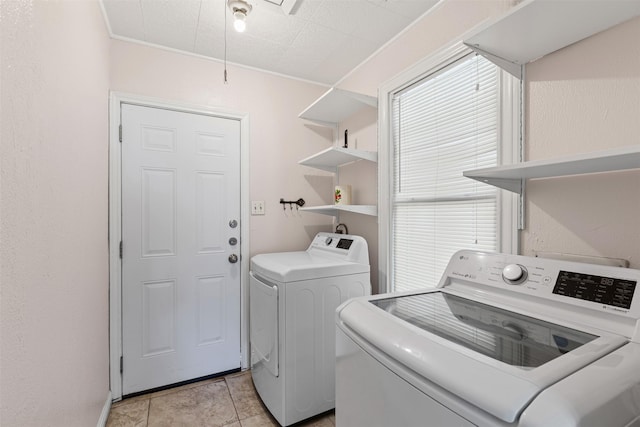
point(299, 203)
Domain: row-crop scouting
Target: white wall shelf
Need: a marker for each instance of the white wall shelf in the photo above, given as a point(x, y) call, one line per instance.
point(334, 157)
point(512, 177)
point(334, 210)
point(335, 106)
point(535, 28)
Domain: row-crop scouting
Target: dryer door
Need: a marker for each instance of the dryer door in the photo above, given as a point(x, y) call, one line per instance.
point(263, 307)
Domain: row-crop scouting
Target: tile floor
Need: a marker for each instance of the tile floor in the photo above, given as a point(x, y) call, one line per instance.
point(229, 401)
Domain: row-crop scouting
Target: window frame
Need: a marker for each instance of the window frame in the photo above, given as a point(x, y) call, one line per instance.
point(510, 148)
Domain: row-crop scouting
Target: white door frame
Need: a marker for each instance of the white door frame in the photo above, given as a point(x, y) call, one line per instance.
point(115, 223)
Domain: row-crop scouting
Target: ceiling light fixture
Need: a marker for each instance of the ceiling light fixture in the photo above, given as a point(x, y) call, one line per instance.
point(240, 10)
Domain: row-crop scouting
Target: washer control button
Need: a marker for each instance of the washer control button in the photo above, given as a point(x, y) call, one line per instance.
point(328, 241)
point(514, 274)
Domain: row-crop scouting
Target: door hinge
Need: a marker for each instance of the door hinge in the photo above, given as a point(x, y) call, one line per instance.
point(120, 364)
point(120, 249)
point(120, 133)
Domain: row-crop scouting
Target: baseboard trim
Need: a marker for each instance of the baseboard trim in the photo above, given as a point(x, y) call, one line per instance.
point(104, 415)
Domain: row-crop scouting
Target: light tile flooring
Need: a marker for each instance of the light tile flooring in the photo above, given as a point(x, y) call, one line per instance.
point(229, 401)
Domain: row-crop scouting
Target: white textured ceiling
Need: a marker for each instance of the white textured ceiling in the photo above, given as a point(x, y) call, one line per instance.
point(320, 41)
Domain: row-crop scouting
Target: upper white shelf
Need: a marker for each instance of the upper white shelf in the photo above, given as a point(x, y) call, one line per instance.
point(335, 106)
point(535, 28)
point(333, 157)
point(511, 177)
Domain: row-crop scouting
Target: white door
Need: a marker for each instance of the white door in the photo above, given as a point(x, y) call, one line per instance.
point(180, 214)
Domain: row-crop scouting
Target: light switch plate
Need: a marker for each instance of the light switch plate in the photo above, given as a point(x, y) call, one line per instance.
point(257, 207)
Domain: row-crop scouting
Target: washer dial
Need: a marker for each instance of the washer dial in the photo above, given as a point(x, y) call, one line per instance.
point(514, 274)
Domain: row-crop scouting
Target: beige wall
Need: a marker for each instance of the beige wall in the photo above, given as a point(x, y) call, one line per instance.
point(585, 98)
point(57, 66)
point(445, 23)
point(362, 176)
point(278, 139)
point(582, 98)
point(54, 367)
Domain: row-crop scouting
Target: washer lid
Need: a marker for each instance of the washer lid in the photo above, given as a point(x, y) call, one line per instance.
point(495, 359)
point(293, 266)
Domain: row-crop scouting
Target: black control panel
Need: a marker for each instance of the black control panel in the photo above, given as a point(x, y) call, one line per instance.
point(344, 243)
point(603, 290)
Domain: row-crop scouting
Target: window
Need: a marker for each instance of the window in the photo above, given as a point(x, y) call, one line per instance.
point(448, 120)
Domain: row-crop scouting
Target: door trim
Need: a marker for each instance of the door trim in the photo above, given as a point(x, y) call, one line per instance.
point(116, 99)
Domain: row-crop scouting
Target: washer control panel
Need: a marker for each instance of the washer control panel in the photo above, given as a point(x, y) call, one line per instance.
point(604, 288)
point(589, 287)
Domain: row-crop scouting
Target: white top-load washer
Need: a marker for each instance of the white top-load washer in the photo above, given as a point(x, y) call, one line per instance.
point(293, 298)
point(503, 340)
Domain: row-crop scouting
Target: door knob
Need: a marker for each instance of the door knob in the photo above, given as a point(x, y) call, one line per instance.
point(233, 223)
point(233, 241)
point(233, 258)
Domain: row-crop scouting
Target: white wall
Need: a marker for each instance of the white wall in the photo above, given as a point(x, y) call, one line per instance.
point(54, 367)
point(582, 98)
point(278, 139)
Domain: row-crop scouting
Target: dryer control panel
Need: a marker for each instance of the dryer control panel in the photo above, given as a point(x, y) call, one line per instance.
point(345, 246)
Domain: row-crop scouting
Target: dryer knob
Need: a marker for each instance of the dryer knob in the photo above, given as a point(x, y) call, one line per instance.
point(328, 241)
point(514, 273)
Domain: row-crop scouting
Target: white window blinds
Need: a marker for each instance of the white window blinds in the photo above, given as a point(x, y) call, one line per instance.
point(442, 125)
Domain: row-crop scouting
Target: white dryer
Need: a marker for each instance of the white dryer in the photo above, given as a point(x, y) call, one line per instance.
point(503, 340)
point(293, 298)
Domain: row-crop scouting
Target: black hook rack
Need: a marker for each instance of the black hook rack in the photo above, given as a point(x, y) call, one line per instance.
point(299, 203)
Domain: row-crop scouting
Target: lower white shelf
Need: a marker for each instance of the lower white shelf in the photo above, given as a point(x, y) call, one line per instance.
point(334, 210)
point(511, 177)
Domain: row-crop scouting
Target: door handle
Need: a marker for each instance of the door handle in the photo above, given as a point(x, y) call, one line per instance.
point(233, 258)
point(233, 223)
point(233, 241)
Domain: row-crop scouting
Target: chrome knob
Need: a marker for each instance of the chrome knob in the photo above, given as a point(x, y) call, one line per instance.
point(233, 223)
point(233, 258)
point(233, 241)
